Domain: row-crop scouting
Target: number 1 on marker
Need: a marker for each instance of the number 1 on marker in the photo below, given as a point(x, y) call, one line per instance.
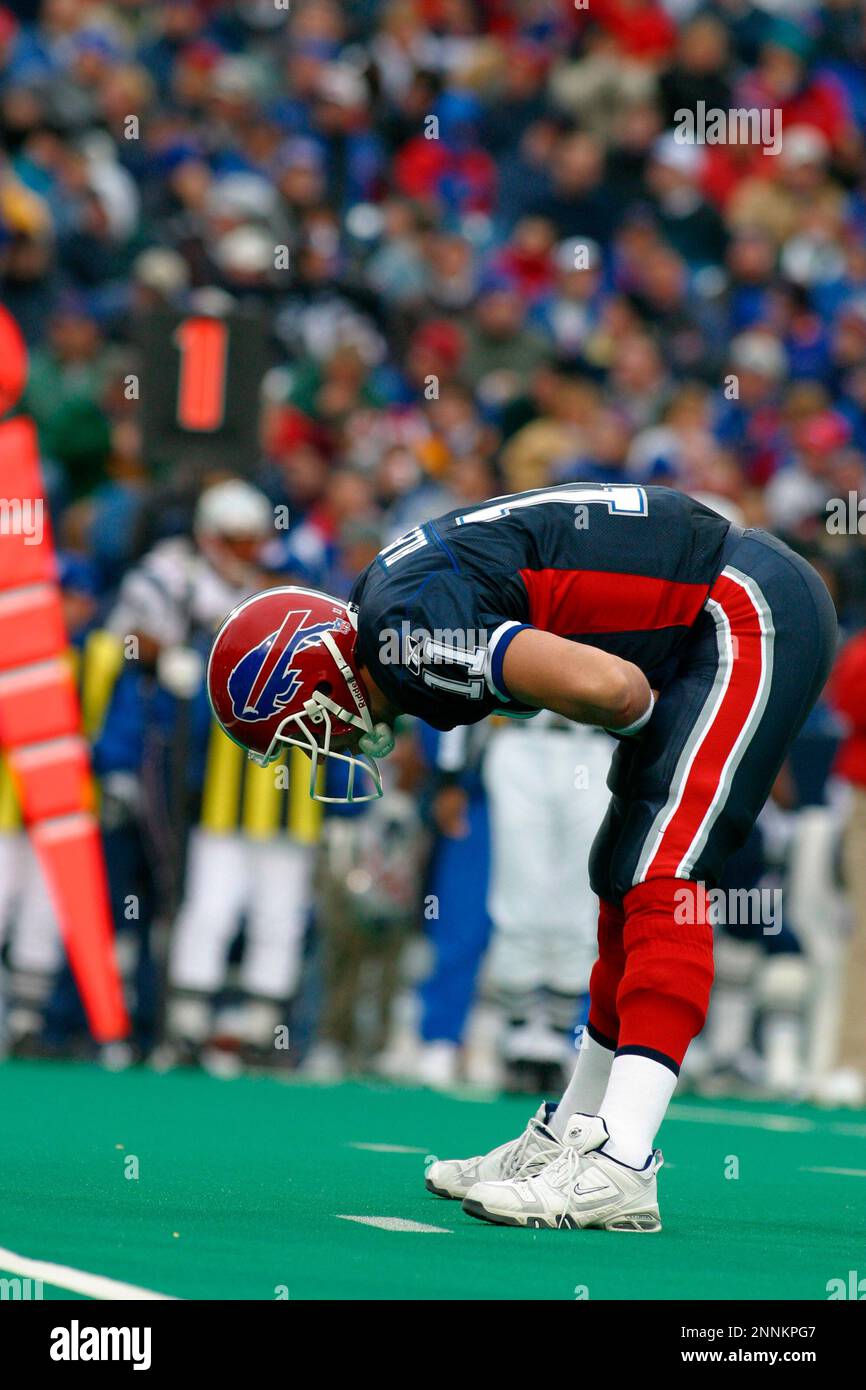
point(203, 345)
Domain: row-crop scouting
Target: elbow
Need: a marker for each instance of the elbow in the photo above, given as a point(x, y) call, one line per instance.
point(623, 702)
point(610, 702)
point(628, 697)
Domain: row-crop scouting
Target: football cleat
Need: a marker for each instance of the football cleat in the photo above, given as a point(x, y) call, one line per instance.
point(581, 1187)
point(527, 1154)
point(283, 672)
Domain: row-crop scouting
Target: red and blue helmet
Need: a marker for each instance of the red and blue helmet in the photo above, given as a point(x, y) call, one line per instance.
point(283, 673)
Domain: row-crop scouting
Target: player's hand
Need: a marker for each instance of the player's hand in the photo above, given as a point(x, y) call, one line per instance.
point(449, 811)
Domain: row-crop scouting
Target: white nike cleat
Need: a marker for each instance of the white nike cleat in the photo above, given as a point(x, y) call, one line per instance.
point(527, 1154)
point(581, 1187)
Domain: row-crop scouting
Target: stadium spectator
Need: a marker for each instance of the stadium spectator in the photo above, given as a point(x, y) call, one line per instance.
point(848, 694)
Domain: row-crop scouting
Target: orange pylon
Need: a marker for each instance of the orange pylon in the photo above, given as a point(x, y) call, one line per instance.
point(40, 722)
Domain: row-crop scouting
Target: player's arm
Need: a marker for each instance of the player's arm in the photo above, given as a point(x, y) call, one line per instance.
point(578, 681)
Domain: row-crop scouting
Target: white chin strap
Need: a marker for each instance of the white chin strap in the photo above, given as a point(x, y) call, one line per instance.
point(377, 740)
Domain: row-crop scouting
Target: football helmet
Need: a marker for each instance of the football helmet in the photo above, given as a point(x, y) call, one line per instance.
point(283, 672)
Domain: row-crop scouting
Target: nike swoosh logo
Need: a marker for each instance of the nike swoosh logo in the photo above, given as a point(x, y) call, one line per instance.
point(588, 1191)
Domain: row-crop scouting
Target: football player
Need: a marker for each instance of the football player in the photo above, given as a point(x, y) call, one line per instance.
point(701, 645)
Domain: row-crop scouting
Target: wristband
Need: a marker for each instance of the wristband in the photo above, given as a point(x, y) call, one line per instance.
point(638, 723)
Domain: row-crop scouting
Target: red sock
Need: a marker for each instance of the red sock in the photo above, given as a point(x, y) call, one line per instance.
point(665, 988)
point(607, 973)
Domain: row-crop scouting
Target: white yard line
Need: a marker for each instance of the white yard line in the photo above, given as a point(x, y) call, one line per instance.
point(398, 1223)
point(75, 1280)
point(791, 1123)
point(386, 1148)
point(838, 1172)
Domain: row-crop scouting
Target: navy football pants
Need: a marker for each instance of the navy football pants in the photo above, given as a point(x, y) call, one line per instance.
point(687, 791)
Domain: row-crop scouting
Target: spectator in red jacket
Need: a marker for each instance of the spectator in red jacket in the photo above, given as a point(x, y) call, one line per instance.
point(847, 692)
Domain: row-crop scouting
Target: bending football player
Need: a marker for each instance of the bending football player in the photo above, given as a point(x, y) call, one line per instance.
point(700, 645)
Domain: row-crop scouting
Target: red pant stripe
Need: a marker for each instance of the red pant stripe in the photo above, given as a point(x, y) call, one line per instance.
point(702, 780)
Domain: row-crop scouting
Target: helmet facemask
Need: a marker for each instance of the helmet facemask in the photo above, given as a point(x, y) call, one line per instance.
point(317, 718)
point(297, 731)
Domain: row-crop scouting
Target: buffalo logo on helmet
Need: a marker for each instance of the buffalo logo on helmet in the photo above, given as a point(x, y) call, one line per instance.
point(265, 679)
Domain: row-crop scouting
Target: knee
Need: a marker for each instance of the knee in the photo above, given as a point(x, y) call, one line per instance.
point(601, 863)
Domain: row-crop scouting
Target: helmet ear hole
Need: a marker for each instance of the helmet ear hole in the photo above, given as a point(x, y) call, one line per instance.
point(325, 688)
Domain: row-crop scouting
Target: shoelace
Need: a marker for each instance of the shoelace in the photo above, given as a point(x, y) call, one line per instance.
point(521, 1161)
point(568, 1166)
point(577, 1164)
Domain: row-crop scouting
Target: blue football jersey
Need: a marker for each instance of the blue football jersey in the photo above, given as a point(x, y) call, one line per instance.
point(620, 567)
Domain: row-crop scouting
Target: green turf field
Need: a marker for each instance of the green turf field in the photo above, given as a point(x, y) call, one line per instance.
point(242, 1185)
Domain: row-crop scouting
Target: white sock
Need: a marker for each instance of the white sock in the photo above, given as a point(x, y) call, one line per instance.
point(585, 1089)
point(634, 1104)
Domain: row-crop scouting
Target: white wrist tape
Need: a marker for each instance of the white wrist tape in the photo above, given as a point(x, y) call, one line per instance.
point(638, 723)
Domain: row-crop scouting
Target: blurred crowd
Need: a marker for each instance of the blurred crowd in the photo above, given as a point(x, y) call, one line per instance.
point(485, 261)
